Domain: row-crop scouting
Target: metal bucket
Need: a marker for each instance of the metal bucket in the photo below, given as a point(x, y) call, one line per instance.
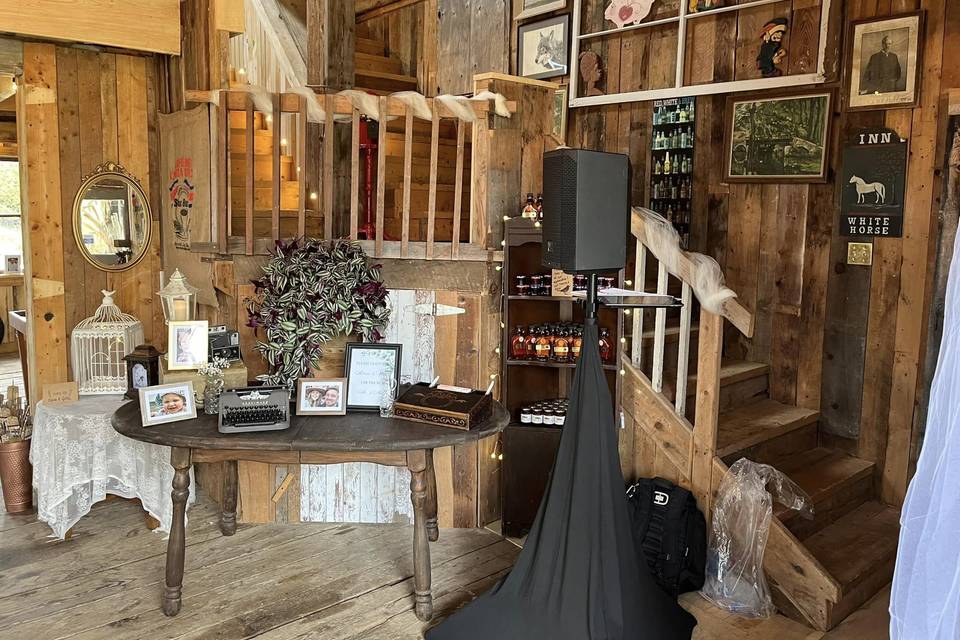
point(16, 475)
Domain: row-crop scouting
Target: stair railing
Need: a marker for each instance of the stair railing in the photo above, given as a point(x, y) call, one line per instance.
point(317, 210)
point(696, 462)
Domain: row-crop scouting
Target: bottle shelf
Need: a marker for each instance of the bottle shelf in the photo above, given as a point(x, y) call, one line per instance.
point(546, 298)
point(673, 199)
point(673, 124)
point(673, 149)
point(552, 365)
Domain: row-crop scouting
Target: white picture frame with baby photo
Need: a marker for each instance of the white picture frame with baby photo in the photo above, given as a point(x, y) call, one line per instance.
point(187, 344)
point(321, 396)
point(165, 403)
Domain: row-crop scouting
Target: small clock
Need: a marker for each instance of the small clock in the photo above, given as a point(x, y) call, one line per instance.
point(143, 369)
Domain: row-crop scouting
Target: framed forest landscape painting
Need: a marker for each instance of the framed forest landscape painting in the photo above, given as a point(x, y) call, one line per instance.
point(884, 62)
point(778, 139)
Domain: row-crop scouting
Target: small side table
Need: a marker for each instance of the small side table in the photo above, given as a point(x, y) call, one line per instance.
point(78, 458)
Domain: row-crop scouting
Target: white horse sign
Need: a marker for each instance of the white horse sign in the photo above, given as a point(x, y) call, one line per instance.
point(872, 179)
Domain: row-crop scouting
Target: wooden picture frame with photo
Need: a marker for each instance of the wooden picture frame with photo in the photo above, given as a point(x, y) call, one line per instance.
point(905, 30)
point(369, 368)
point(305, 405)
point(155, 410)
point(198, 347)
point(737, 151)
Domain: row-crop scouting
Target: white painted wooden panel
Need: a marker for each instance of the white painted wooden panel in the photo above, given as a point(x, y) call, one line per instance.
point(366, 492)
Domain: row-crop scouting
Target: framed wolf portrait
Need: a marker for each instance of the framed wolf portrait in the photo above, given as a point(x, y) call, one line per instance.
point(543, 49)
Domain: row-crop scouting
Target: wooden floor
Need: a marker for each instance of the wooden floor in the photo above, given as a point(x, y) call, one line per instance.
point(335, 582)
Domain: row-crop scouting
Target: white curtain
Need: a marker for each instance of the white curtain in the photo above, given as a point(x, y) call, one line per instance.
point(925, 600)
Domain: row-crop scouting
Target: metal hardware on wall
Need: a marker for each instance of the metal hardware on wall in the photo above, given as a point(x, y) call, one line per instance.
point(860, 253)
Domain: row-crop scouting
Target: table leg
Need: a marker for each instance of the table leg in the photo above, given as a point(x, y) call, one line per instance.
point(433, 531)
point(228, 514)
point(417, 463)
point(180, 460)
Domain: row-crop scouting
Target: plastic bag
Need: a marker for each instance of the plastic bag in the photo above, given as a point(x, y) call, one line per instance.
point(738, 537)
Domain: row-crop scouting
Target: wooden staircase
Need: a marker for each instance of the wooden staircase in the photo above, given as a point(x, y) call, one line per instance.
point(380, 72)
point(820, 569)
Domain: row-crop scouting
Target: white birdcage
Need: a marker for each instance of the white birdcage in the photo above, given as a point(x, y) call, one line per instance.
point(98, 345)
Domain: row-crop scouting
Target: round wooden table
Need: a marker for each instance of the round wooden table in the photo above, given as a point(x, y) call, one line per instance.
point(355, 437)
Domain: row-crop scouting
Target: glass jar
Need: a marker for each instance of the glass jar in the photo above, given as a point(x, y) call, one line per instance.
point(536, 285)
point(526, 415)
point(549, 417)
point(388, 397)
point(536, 416)
point(211, 395)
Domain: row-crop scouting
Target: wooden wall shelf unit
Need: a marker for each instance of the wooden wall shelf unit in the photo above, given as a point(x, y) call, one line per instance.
point(525, 382)
point(684, 26)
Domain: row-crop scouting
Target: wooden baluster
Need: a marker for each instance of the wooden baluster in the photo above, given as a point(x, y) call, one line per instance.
point(457, 192)
point(683, 350)
point(704, 442)
point(301, 169)
point(277, 132)
point(381, 175)
point(328, 138)
point(249, 200)
point(639, 284)
point(434, 154)
point(354, 173)
point(407, 170)
point(224, 207)
point(660, 331)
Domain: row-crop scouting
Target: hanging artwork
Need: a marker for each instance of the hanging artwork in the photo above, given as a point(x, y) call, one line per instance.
point(530, 8)
point(772, 52)
point(559, 129)
point(624, 12)
point(591, 70)
point(544, 48)
point(781, 139)
point(884, 62)
point(873, 178)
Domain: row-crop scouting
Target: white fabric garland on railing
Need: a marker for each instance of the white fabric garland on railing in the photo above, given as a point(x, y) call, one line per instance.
point(664, 242)
point(369, 104)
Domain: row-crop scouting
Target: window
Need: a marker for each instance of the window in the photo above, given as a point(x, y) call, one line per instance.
point(11, 233)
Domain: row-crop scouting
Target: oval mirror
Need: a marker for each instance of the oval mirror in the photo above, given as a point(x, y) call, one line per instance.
point(111, 219)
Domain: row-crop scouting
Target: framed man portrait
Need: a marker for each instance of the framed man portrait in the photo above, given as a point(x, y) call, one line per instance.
point(884, 65)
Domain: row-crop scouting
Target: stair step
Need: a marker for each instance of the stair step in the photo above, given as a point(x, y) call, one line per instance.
point(744, 428)
point(370, 46)
point(375, 62)
point(367, 79)
point(732, 372)
point(859, 551)
point(837, 483)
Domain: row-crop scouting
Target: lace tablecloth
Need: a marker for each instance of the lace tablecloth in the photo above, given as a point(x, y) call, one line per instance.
point(78, 458)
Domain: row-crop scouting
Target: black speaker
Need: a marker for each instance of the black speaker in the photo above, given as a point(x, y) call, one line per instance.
point(586, 208)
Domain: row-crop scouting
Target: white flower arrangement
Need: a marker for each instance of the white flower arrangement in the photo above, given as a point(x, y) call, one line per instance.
point(213, 370)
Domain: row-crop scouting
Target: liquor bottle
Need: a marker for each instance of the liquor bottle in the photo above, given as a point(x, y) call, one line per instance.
point(683, 114)
point(690, 111)
point(542, 346)
point(669, 215)
point(676, 167)
point(683, 138)
point(576, 344)
point(656, 116)
point(529, 210)
point(518, 347)
point(682, 191)
point(657, 168)
point(666, 164)
point(606, 345)
point(539, 205)
point(531, 343)
point(561, 347)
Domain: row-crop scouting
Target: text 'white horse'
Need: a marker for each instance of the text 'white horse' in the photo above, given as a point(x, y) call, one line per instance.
point(864, 187)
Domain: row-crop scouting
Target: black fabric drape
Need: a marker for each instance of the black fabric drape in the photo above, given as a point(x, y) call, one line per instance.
point(579, 576)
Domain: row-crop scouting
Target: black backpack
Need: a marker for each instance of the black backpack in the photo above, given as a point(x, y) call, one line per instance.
point(671, 532)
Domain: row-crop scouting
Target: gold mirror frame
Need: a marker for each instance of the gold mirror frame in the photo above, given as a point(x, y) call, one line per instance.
point(112, 170)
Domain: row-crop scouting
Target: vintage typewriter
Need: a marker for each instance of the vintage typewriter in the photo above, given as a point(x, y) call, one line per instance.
point(254, 409)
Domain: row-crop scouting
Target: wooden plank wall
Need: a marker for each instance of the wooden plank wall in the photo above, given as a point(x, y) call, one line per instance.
point(847, 340)
point(81, 108)
point(12, 297)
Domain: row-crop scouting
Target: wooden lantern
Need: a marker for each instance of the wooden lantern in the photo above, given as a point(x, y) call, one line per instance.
point(143, 369)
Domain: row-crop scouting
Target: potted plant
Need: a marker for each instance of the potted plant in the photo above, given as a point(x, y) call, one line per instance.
point(312, 292)
point(16, 472)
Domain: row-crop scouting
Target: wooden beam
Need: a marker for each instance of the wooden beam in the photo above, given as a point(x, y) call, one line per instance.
point(146, 25)
point(228, 16)
point(370, 9)
point(11, 56)
point(330, 43)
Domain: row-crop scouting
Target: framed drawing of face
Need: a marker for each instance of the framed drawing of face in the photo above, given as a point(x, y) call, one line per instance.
point(884, 62)
point(318, 397)
point(187, 344)
point(778, 138)
point(372, 370)
point(164, 403)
